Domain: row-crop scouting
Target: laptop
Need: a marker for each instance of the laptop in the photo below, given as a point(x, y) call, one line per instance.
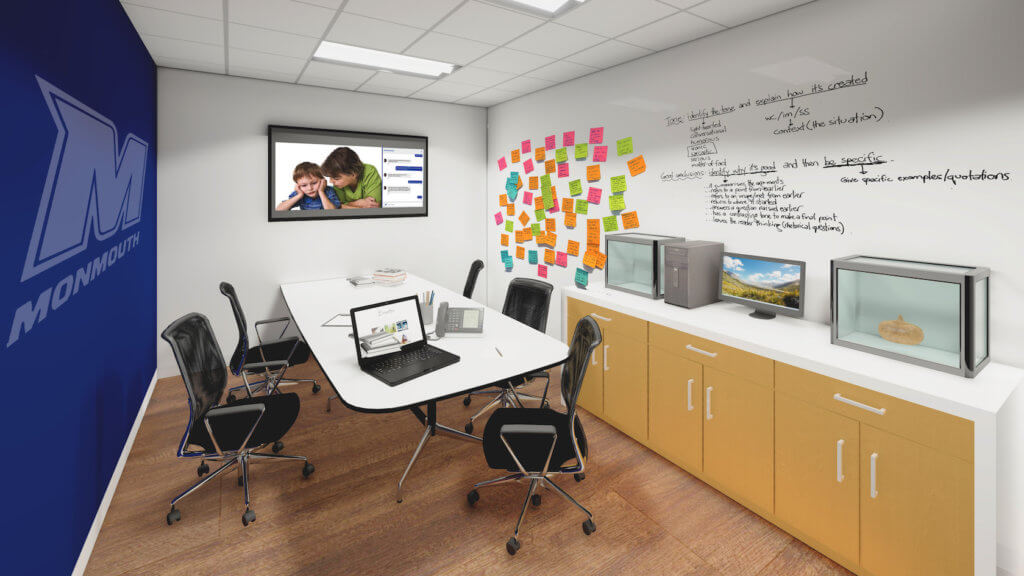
point(391, 344)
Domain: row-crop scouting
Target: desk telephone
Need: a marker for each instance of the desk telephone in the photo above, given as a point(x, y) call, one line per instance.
point(459, 320)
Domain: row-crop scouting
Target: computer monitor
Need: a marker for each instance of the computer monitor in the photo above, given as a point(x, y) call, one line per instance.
point(768, 285)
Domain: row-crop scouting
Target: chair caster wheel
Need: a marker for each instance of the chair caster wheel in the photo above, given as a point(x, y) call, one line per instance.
point(589, 527)
point(535, 499)
point(545, 404)
point(467, 400)
point(512, 546)
point(469, 427)
point(579, 476)
point(202, 469)
point(308, 470)
point(248, 517)
point(278, 446)
point(231, 399)
point(173, 516)
point(473, 497)
point(240, 481)
point(316, 388)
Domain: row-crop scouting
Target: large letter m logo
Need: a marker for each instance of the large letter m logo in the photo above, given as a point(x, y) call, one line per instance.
point(91, 188)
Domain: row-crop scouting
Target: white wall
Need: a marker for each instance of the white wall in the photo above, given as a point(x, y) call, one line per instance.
point(947, 74)
point(212, 207)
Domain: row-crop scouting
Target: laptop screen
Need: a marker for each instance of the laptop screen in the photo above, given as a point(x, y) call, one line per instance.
point(387, 327)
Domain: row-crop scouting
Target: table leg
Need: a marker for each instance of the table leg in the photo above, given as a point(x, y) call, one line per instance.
point(429, 421)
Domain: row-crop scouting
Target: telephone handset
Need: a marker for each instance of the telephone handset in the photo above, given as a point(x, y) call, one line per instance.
point(453, 320)
point(442, 319)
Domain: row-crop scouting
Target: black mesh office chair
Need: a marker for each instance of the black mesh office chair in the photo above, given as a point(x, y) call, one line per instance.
point(536, 443)
point(229, 434)
point(526, 300)
point(474, 271)
point(265, 357)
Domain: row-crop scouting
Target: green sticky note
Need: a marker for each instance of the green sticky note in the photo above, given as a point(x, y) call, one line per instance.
point(582, 276)
point(576, 188)
point(624, 146)
point(581, 151)
point(545, 183)
point(536, 229)
point(549, 201)
point(617, 202)
point(540, 215)
point(508, 226)
point(581, 206)
point(561, 155)
point(611, 223)
point(618, 184)
point(533, 256)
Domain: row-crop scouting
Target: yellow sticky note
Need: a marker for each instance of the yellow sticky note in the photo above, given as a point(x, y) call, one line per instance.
point(617, 202)
point(601, 258)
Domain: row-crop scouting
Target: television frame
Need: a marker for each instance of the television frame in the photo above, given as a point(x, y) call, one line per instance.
point(764, 310)
point(356, 214)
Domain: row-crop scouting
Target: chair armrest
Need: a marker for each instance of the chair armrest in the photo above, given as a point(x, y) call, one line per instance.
point(223, 412)
point(287, 340)
point(532, 429)
point(273, 365)
point(287, 320)
point(273, 320)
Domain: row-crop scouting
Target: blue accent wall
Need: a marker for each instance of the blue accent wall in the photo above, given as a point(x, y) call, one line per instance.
point(78, 266)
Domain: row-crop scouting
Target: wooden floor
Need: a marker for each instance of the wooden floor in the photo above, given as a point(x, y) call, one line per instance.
point(652, 517)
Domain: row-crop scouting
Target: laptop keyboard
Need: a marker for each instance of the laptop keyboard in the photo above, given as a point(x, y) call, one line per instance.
point(400, 361)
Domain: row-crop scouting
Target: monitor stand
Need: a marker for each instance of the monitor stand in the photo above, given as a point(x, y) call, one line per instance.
point(762, 315)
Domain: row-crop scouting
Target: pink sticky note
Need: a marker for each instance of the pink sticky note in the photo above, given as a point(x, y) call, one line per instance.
point(596, 136)
point(542, 271)
point(502, 164)
point(563, 170)
point(528, 166)
point(498, 218)
point(525, 146)
point(528, 198)
point(561, 259)
point(594, 195)
point(569, 138)
point(600, 153)
point(549, 142)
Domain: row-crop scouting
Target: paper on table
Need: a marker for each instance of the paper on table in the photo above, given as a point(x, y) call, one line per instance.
point(581, 206)
point(542, 271)
point(611, 223)
point(636, 165)
point(539, 154)
point(618, 184)
point(624, 146)
point(575, 188)
point(568, 138)
point(617, 202)
point(528, 166)
point(562, 155)
point(563, 170)
point(549, 142)
point(515, 155)
point(574, 248)
point(525, 146)
point(570, 219)
point(594, 195)
point(593, 172)
point(630, 220)
point(582, 277)
point(532, 257)
point(342, 320)
point(596, 135)
point(600, 153)
point(502, 164)
point(581, 151)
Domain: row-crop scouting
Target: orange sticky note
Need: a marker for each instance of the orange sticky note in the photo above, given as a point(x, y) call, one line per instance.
point(549, 224)
point(567, 204)
point(630, 220)
point(549, 256)
point(520, 252)
point(574, 248)
point(538, 203)
point(519, 184)
point(503, 200)
point(510, 210)
point(515, 155)
point(538, 154)
point(524, 219)
point(504, 239)
point(600, 260)
point(570, 219)
point(534, 184)
point(550, 166)
point(594, 172)
point(636, 165)
point(590, 259)
point(519, 236)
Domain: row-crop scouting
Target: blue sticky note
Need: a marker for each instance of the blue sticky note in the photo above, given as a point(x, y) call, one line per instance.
point(581, 277)
point(533, 257)
point(512, 192)
point(508, 265)
point(504, 255)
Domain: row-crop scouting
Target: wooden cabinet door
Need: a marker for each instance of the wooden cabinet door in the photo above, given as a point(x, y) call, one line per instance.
point(738, 432)
point(625, 381)
point(591, 396)
point(817, 481)
point(916, 508)
point(675, 408)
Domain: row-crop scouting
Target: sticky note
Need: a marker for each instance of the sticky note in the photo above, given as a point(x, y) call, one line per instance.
point(563, 170)
point(539, 154)
point(617, 202)
point(600, 153)
point(503, 200)
point(528, 166)
point(514, 178)
point(549, 224)
point(624, 146)
point(581, 206)
point(570, 219)
point(601, 258)
point(542, 271)
point(504, 254)
point(528, 198)
point(497, 218)
point(524, 219)
point(618, 184)
point(593, 172)
point(596, 135)
point(508, 264)
point(568, 138)
point(520, 252)
point(575, 188)
point(520, 237)
point(574, 248)
point(549, 142)
point(525, 146)
point(534, 183)
point(561, 259)
point(636, 165)
point(549, 201)
point(590, 258)
point(515, 155)
point(630, 220)
point(509, 226)
point(513, 193)
point(504, 239)
point(531, 257)
point(510, 210)
point(611, 223)
point(594, 195)
point(581, 277)
point(502, 164)
point(538, 203)
point(581, 151)
point(567, 204)
point(549, 256)
point(539, 214)
point(562, 155)
point(593, 232)
point(550, 166)
point(535, 228)
point(545, 182)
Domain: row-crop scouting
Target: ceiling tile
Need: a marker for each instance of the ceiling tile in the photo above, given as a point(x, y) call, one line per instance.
point(448, 48)
point(614, 17)
point(736, 12)
point(281, 15)
point(561, 71)
point(524, 85)
point(372, 33)
point(513, 61)
point(683, 4)
point(153, 22)
point(417, 13)
point(203, 8)
point(394, 84)
point(261, 65)
point(479, 76)
point(555, 41)
point(489, 97)
point(608, 54)
point(671, 31)
point(486, 23)
point(332, 4)
point(335, 75)
point(184, 54)
point(446, 91)
point(271, 41)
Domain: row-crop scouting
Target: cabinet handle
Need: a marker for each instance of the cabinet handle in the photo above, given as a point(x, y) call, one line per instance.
point(839, 461)
point(593, 358)
point(872, 409)
point(874, 475)
point(606, 346)
point(600, 317)
point(689, 395)
point(693, 348)
point(707, 403)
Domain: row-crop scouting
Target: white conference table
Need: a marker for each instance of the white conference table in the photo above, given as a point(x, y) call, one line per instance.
point(522, 350)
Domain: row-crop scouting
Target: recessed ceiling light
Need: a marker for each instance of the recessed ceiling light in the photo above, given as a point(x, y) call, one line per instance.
point(378, 60)
point(545, 7)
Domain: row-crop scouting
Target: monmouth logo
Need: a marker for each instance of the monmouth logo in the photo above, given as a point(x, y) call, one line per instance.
point(92, 188)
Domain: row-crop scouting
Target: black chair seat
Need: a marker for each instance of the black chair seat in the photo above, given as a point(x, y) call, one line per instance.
point(281, 412)
point(280, 350)
point(531, 450)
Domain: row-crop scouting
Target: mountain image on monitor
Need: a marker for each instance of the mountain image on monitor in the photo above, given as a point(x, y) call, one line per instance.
point(761, 281)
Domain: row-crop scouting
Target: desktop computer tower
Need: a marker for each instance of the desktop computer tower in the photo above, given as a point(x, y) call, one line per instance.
point(693, 271)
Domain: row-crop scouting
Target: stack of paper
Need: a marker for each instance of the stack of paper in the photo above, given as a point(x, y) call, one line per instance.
point(388, 276)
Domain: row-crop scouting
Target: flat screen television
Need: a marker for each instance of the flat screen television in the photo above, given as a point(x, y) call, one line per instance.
point(768, 285)
point(319, 174)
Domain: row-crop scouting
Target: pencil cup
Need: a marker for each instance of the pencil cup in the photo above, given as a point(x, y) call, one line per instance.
point(427, 312)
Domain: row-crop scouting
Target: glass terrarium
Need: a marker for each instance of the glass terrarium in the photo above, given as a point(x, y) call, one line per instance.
point(934, 315)
point(635, 263)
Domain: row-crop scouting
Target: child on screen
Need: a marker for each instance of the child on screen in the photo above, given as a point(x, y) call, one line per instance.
point(312, 191)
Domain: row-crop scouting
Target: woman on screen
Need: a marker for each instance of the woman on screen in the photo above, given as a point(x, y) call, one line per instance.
point(358, 185)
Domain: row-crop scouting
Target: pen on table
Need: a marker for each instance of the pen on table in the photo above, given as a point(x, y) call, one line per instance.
point(499, 352)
